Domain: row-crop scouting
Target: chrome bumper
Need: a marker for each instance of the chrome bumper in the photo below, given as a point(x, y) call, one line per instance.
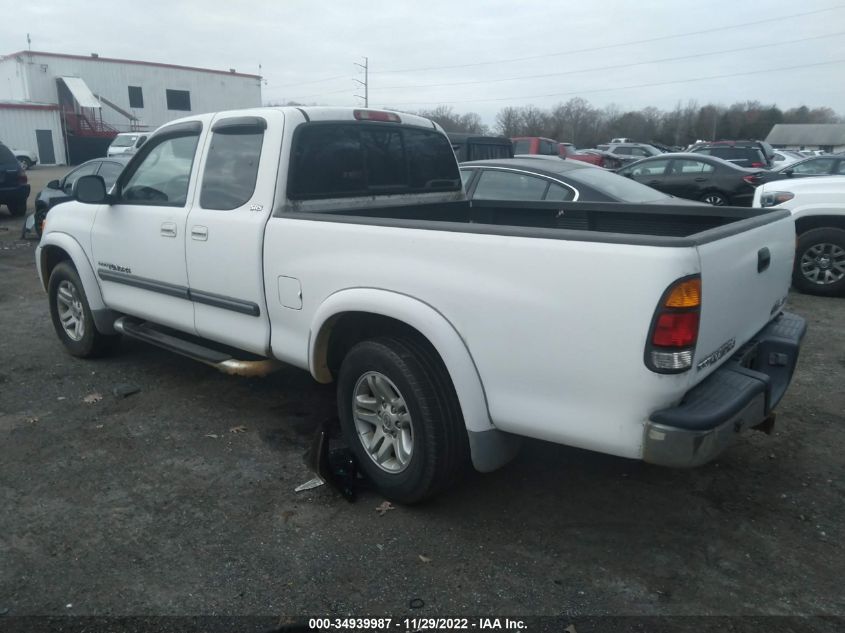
point(741, 394)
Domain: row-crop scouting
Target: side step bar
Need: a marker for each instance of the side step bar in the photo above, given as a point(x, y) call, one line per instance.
point(172, 341)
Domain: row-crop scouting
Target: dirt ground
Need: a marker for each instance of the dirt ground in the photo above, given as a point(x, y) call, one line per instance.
point(180, 499)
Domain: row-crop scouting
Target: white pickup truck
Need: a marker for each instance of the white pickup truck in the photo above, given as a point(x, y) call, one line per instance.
point(340, 241)
point(817, 205)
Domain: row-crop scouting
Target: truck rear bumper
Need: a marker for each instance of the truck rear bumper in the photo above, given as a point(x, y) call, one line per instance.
point(741, 394)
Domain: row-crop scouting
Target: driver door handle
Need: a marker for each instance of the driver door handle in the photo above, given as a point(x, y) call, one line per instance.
point(168, 229)
point(700, 179)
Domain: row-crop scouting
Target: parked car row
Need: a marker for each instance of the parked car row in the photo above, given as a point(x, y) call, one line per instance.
point(14, 185)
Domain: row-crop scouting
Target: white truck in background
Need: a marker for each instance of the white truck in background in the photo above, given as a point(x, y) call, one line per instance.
point(340, 241)
point(817, 205)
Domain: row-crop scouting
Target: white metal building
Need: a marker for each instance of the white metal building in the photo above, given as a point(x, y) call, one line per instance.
point(95, 97)
point(829, 137)
point(35, 126)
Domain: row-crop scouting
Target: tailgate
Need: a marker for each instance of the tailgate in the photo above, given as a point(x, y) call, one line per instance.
point(744, 283)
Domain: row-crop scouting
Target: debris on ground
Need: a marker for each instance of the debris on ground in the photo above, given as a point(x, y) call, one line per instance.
point(309, 485)
point(424, 559)
point(213, 436)
point(31, 420)
point(384, 507)
point(335, 467)
point(237, 429)
point(416, 603)
point(91, 398)
point(124, 390)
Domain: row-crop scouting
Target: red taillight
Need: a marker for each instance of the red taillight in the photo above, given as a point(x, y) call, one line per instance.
point(376, 115)
point(674, 329)
point(22, 179)
point(753, 179)
point(757, 165)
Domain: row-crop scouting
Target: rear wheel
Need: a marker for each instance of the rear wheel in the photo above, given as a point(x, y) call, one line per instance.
point(400, 416)
point(71, 315)
point(17, 208)
point(820, 262)
point(25, 163)
point(715, 198)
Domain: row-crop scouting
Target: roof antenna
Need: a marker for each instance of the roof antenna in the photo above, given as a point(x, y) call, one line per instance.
point(29, 42)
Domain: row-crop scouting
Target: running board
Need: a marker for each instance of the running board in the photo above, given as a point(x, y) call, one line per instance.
point(203, 352)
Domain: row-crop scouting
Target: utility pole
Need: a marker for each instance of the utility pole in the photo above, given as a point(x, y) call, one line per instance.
point(365, 83)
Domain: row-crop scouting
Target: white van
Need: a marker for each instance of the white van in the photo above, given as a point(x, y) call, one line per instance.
point(126, 143)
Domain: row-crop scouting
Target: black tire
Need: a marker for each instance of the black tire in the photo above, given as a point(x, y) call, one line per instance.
point(17, 208)
point(819, 258)
point(715, 198)
point(91, 343)
point(440, 447)
point(25, 163)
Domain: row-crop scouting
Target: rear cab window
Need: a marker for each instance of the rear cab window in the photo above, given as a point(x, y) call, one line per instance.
point(338, 160)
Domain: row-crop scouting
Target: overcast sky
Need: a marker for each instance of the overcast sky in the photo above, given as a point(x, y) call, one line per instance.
point(298, 42)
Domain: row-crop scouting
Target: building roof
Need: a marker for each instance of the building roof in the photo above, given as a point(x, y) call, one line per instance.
point(807, 134)
point(115, 60)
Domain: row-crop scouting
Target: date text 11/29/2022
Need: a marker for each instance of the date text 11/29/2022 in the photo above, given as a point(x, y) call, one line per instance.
point(415, 624)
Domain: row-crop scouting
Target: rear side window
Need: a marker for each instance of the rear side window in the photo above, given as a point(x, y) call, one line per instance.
point(814, 167)
point(334, 160)
point(109, 172)
point(548, 148)
point(505, 185)
point(522, 147)
point(231, 168)
point(488, 151)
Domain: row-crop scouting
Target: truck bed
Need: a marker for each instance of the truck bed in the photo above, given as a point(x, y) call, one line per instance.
point(652, 225)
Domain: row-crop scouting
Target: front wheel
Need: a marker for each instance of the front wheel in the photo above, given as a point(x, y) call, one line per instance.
point(25, 163)
point(715, 198)
point(71, 315)
point(820, 262)
point(400, 416)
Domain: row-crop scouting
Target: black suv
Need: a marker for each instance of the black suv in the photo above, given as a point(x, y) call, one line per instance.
point(749, 154)
point(14, 188)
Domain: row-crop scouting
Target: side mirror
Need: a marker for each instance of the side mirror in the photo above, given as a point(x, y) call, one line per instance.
point(54, 184)
point(90, 190)
point(789, 172)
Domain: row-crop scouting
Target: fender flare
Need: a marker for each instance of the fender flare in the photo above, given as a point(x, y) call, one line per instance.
point(103, 317)
point(423, 318)
point(489, 448)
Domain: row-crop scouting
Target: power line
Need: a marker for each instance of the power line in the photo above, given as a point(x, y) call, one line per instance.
point(315, 81)
point(614, 66)
point(649, 85)
point(324, 94)
point(607, 46)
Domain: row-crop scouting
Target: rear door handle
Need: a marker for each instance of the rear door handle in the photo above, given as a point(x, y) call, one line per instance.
point(168, 229)
point(199, 233)
point(700, 179)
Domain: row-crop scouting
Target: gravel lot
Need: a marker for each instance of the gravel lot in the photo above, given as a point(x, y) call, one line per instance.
point(179, 499)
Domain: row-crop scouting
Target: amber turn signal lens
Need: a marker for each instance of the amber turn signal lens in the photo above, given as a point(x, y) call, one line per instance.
point(686, 294)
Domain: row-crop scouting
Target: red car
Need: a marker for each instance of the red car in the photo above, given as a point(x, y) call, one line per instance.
point(535, 145)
